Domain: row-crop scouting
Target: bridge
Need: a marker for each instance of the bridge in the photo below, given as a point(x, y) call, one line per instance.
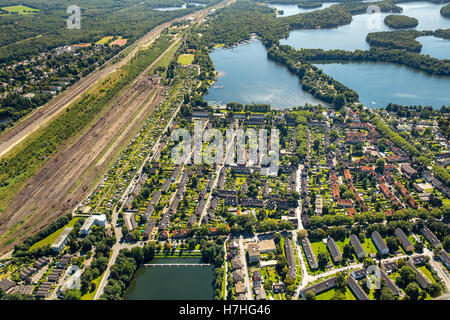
point(178, 265)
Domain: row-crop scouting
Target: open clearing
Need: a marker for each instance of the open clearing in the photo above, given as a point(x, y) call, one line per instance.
point(20, 9)
point(185, 59)
point(105, 40)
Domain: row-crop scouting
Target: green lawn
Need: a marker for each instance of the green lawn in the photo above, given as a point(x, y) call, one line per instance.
point(369, 246)
point(51, 238)
point(105, 40)
point(20, 9)
point(328, 295)
point(185, 59)
point(319, 247)
point(91, 295)
point(427, 273)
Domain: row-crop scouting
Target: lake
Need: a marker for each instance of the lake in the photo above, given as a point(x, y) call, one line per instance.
point(353, 36)
point(248, 76)
point(291, 9)
point(172, 283)
point(435, 47)
point(381, 83)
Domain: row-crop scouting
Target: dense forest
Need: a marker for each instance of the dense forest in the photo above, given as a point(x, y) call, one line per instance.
point(312, 79)
point(401, 39)
point(417, 61)
point(25, 35)
point(399, 22)
point(238, 21)
point(445, 10)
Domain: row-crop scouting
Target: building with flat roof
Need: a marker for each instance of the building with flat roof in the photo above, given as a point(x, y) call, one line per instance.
point(61, 241)
point(253, 252)
point(267, 246)
point(98, 220)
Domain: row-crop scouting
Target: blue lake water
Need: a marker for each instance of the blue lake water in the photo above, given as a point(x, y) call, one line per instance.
point(353, 36)
point(291, 9)
point(435, 47)
point(381, 83)
point(248, 76)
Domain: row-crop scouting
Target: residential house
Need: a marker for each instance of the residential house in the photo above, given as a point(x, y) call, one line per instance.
point(309, 253)
point(431, 238)
point(360, 252)
point(320, 287)
point(334, 250)
point(404, 241)
point(356, 289)
point(379, 243)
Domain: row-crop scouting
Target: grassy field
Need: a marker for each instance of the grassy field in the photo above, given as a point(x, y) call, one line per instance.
point(51, 238)
point(368, 246)
point(328, 295)
point(185, 59)
point(20, 9)
point(427, 273)
point(105, 40)
point(91, 295)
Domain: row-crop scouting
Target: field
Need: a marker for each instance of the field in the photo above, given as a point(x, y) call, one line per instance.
point(91, 295)
point(185, 59)
point(51, 238)
point(20, 9)
point(328, 295)
point(105, 40)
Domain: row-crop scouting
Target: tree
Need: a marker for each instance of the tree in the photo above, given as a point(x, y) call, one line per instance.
point(72, 295)
point(407, 276)
point(339, 101)
point(310, 295)
point(392, 243)
point(322, 260)
point(348, 251)
point(418, 247)
point(379, 165)
point(302, 234)
point(412, 290)
point(386, 294)
point(434, 290)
